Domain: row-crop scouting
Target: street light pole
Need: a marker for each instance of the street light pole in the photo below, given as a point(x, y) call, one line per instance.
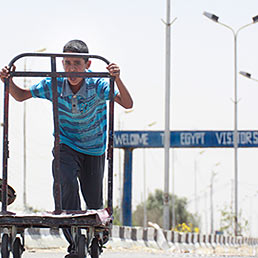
point(211, 201)
point(167, 122)
point(173, 201)
point(24, 137)
point(120, 187)
point(195, 181)
point(167, 119)
point(213, 174)
point(145, 184)
point(215, 18)
point(24, 145)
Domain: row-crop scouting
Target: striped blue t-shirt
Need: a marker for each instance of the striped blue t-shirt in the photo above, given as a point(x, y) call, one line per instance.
point(82, 116)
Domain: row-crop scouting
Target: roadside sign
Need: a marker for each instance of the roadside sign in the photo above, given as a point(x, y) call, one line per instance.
point(184, 139)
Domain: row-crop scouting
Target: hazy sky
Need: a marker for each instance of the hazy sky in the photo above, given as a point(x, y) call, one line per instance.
point(132, 34)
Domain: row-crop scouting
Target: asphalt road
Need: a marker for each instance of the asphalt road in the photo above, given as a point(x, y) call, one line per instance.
point(118, 254)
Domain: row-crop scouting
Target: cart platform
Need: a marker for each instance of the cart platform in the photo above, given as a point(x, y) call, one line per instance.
point(83, 219)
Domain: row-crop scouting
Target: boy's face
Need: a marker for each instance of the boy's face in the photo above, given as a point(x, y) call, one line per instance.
point(75, 64)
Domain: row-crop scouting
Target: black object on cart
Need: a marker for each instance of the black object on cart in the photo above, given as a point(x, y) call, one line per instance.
point(95, 223)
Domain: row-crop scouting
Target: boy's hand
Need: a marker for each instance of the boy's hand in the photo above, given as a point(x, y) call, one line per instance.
point(5, 73)
point(114, 70)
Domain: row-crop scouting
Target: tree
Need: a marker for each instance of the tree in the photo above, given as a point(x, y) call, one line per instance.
point(155, 211)
point(227, 221)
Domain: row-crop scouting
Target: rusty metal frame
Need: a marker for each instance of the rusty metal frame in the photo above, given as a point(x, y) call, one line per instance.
point(39, 220)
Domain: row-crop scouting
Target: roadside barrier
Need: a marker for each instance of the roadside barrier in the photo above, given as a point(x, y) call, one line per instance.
point(153, 237)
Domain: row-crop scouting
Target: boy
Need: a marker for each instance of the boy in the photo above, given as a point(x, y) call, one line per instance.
point(82, 118)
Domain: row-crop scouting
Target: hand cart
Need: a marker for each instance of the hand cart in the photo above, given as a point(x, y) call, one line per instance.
point(95, 223)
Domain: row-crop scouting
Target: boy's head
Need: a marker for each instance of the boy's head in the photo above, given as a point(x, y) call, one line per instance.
point(76, 46)
point(75, 64)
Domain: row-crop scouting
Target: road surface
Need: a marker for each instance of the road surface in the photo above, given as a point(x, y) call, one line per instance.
point(123, 253)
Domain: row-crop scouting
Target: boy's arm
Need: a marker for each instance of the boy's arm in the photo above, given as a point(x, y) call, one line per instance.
point(18, 93)
point(123, 97)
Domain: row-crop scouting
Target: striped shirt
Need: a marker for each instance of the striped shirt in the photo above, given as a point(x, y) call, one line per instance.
point(82, 116)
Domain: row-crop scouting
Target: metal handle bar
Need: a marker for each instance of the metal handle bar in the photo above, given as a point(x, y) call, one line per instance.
point(54, 55)
point(55, 74)
point(61, 74)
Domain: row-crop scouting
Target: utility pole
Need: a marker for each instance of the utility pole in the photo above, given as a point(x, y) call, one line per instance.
point(167, 119)
point(24, 137)
point(213, 174)
point(211, 201)
point(24, 144)
point(196, 198)
point(173, 201)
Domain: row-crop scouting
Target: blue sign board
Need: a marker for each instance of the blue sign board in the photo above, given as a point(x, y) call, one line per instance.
point(184, 139)
point(178, 139)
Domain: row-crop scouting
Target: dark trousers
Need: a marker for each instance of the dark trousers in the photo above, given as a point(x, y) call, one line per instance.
point(89, 171)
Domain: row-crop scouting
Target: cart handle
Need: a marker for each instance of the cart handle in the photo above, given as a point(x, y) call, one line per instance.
point(54, 73)
point(54, 55)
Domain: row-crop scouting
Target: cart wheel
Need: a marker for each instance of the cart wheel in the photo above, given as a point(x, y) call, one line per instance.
point(95, 248)
point(17, 248)
point(5, 246)
point(81, 246)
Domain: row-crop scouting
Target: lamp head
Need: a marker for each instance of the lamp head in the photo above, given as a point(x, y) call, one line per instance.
point(211, 16)
point(255, 19)
point(248, 75)
point(40, 50)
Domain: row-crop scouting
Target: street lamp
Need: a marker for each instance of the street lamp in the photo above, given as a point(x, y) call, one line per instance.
point(167, 120)
point(24, 136)
point(215, 18)
point(120, 199)
point(213, 174)
point(144, 184)
point(168, 24)
point(195, 180)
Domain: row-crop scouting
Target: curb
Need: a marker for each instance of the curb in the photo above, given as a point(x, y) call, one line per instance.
point(152, 237)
